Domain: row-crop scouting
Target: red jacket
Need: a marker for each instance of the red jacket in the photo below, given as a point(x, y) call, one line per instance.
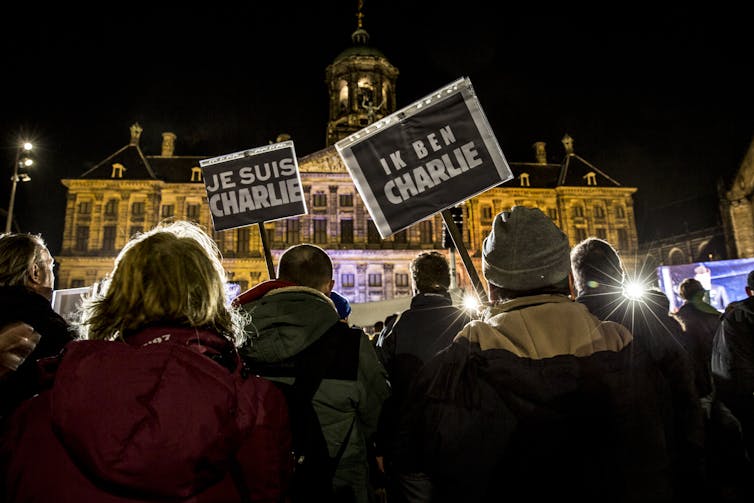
point(154, 419)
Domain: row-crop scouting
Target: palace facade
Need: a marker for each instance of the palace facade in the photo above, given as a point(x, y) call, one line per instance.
point(131, 191)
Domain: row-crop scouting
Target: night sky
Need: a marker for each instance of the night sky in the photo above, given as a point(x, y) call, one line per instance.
point(658, 99)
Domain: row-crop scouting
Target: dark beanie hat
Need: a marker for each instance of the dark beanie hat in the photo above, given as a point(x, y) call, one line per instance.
point(525, 251)
point(341, 304)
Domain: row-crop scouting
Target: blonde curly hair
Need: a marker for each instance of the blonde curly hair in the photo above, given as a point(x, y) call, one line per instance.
point(172, 274)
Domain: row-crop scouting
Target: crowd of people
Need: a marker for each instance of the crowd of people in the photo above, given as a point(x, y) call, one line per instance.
point(560, 387)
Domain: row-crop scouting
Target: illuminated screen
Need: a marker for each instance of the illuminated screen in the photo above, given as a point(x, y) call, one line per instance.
point(724, 280)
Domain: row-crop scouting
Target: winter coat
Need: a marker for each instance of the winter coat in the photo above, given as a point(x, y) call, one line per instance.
point(659, 335)
point(420, 332)
point(733, 365)
point(166, 416)
point(700, 322)
point(21, 304)
point(286, 319)
point(540, 401)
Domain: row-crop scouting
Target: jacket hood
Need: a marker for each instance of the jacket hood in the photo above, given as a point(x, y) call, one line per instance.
point(285, 320)
point(155, 415)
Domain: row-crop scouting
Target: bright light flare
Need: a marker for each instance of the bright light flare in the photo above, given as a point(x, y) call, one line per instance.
point(470, 302)
point(634, 290)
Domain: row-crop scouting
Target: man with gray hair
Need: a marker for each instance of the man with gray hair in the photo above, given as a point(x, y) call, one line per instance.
point(538, 400)
point(26, 284)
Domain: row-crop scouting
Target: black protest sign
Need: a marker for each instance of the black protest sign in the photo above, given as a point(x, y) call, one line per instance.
point(429, 156)
point(253, 186)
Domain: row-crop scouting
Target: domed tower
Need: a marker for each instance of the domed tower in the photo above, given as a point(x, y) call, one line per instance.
point(361, 84)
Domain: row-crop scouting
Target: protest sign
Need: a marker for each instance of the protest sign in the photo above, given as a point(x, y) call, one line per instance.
point(433, 154)
point(253, 186)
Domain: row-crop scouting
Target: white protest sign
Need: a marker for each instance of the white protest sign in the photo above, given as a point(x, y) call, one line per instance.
point(431, 155)
point(252, 186)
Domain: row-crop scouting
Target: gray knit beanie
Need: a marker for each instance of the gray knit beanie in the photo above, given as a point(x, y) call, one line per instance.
point(525, 251)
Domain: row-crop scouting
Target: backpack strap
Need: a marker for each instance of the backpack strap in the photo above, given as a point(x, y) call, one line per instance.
point(311, 365)
point(336, 459)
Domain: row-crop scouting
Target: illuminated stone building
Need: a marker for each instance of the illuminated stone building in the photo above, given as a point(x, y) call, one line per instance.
point(131, 191)
point(737, 208)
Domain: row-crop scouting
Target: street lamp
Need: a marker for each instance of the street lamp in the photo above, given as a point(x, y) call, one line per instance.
point(24, 162)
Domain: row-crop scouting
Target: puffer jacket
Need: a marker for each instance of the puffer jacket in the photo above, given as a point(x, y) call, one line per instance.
point(286, 319)
point(540, 401)
point(166, 416)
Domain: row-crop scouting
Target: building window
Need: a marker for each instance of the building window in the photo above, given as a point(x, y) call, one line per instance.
point(486, 212)
point(400, 236)
point(346, 200)
point(602, 233)
point(242, 241)
point(292, 229)
point(347, 280)
point(192, 212)
point(599, 212)
point(319, 199)
point(552, 213)
point(578, 211)
point(82, 238)
point(219, 237)
point(136, 229)
point(374, 279)
point(373, 235)
point(591, 178)
point(580, 234)
point(401, 279)
point(137, 209)
point(346, 231)
point(425, 232)
point(620, 212)
point(524, 177)
point(117, 171)
point(196, 174)
point(77, 283)
point(622, 239)
point(320, 230)
point(108, 238)
point(85, 207)
point(168, 211)
point(111, 208)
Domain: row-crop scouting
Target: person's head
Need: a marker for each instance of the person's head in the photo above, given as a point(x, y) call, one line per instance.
point(170, 275)
point(341, 304)
point(525, 254)
point(750, 284)
point(430, 273)
point(307, 265)
point(26, 261)
point(703, 274)
point(596, 265)
point(691, 289)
